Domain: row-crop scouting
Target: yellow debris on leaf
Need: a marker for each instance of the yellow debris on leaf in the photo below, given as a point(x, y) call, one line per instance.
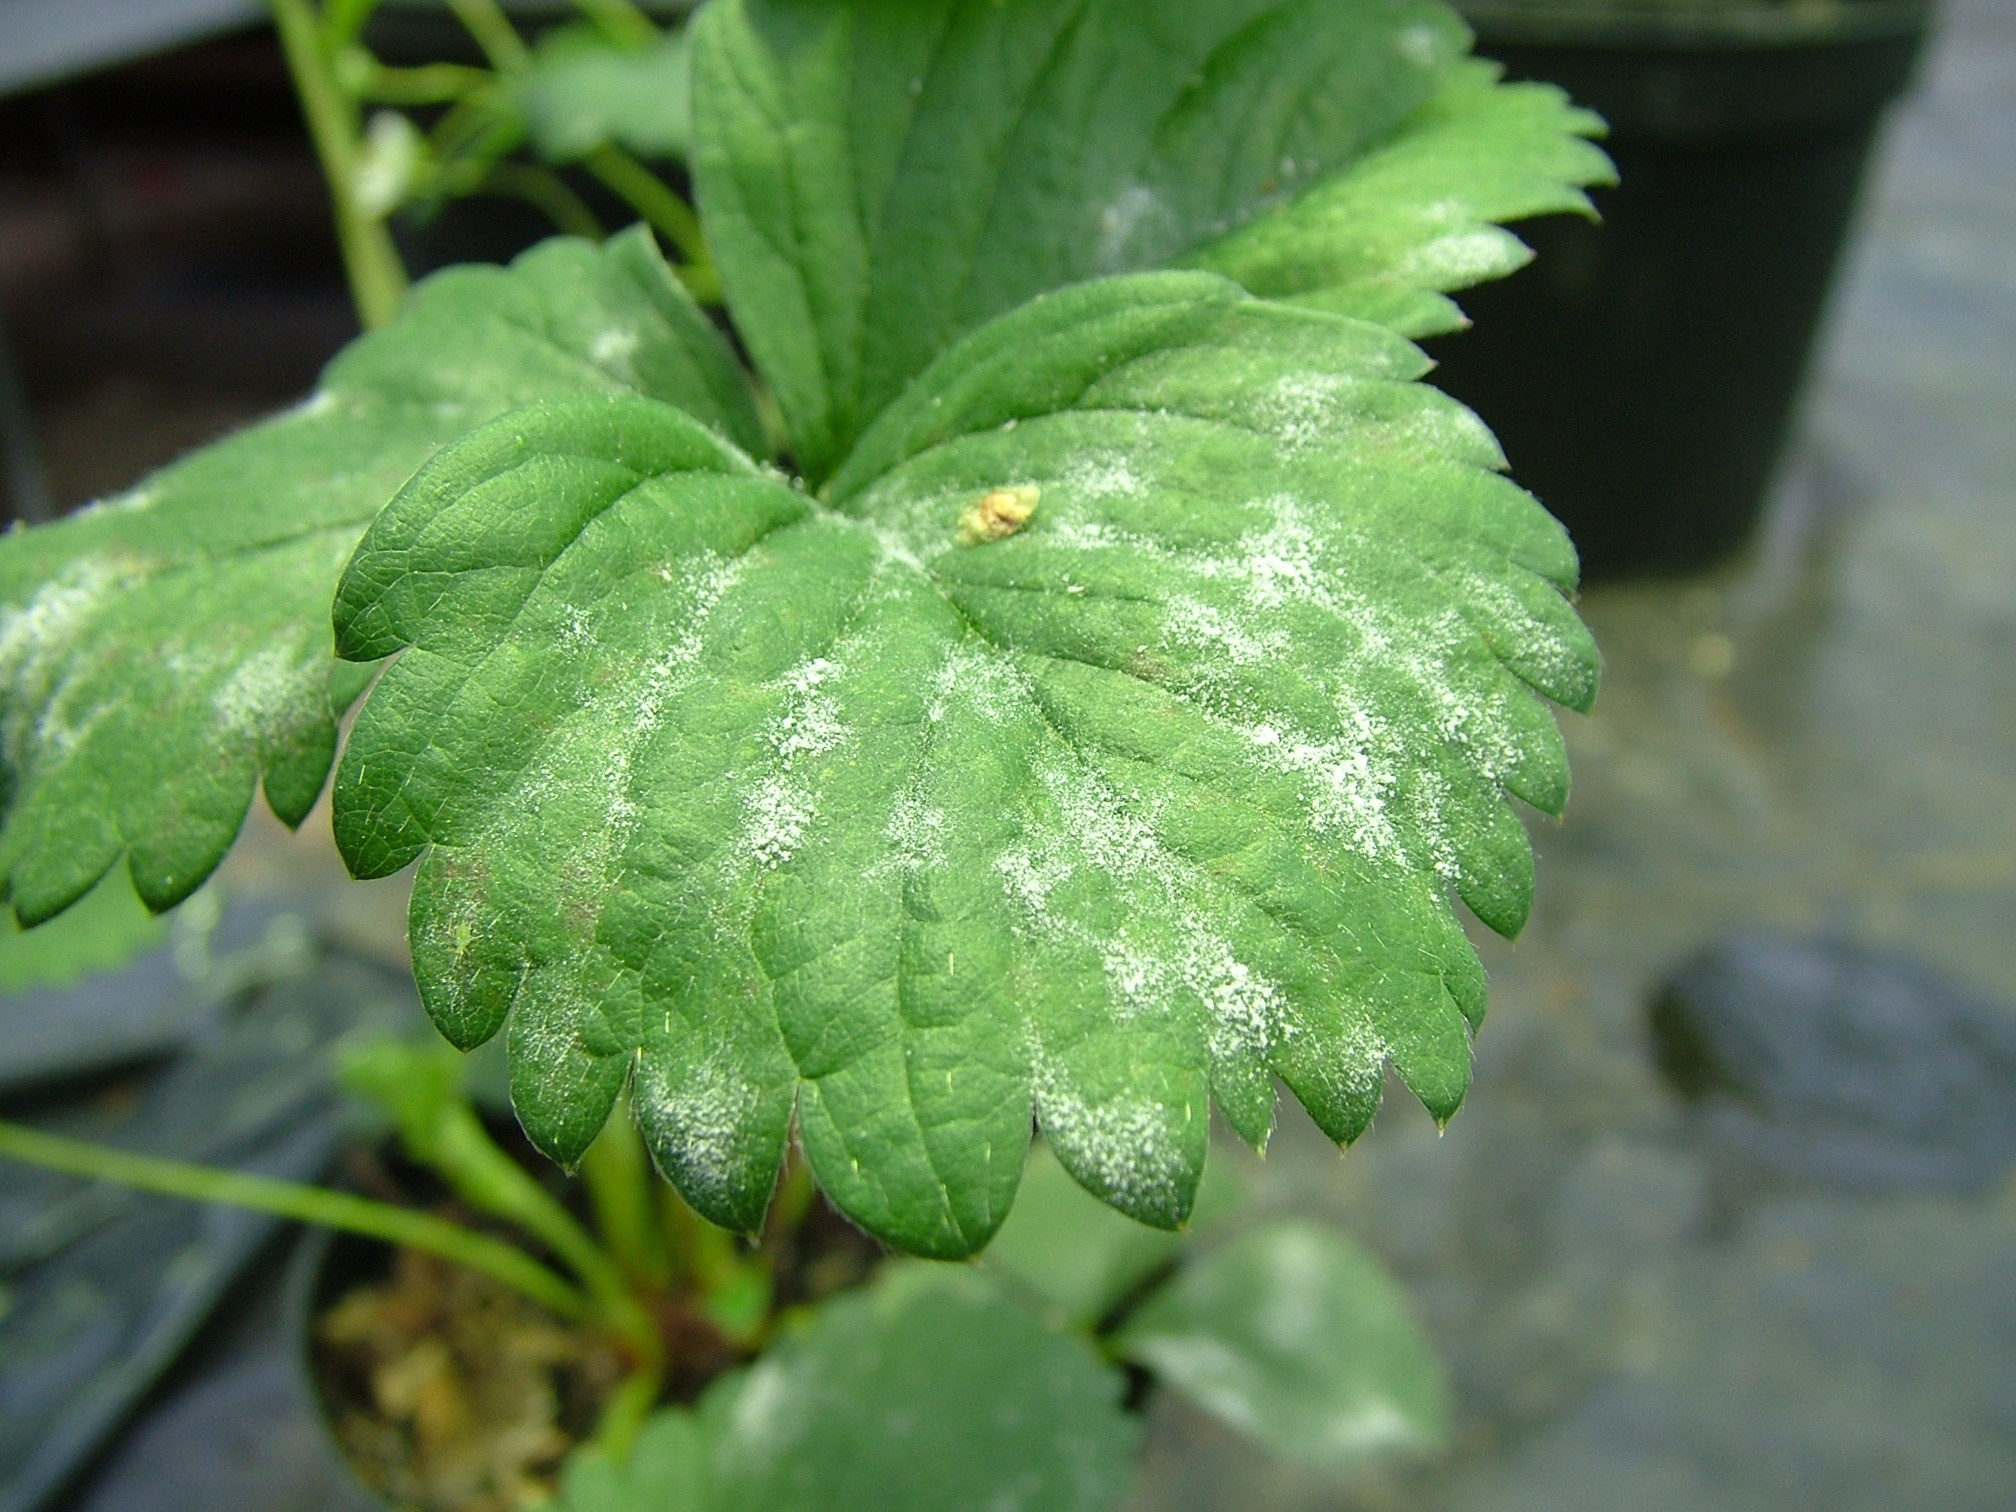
point(998, 514)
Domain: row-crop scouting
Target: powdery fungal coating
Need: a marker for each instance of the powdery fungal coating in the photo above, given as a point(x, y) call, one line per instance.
point(1128, 1147)
point(1164, 958)
point(37, 637)
point(1186, 774)
point(778, 814)
point(264, 689)
point(697, 1120)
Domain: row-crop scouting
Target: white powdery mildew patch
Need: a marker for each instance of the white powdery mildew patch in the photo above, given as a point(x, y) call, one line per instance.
point(614, 347)
point(1245, 1007)
point(1129, 1145)
point(1280, 564)
point(1030, 880)
point(1166, 955)
point(636, 711)
point(895, 548)
point(321, 402)
point(1460, 258)
point(811, 720)
point(35, 635)
point(1350, 780)
point(575, 632)
point(1135, 218)
point(1098, 826)
point(975, 683)
point(1430, 802)
point(1420, 45)
point(1205, 627)
point(1354, 1061)
point(1481, 725)
point(1095, 535)
point(777, 815)
point(1545, 654)
point(598, 745)
point(1102, 475)
point(703, 1114)
point(1300, 408)
point(917, 833)
point(146, 496)
point(38, 657)
point(264, 693)
point(780, 808)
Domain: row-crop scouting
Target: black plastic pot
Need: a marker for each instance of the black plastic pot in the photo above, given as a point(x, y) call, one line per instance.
point(1642, 374)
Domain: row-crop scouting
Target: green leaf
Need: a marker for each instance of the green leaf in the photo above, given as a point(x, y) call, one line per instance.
point(1079, 1255)
point(582, 91)
point(1294, 1335)
point(839, 806)
point(1387, 238)
point(164, 653)
point(106, 930)
point(878, 180)
point(668, 1470)
point(1072, 1250)
point(927, 1391)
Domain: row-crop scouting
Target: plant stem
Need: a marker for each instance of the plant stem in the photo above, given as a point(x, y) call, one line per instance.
point(461, 1150)
point(619, 1176)
point(548, 192)
point(647, 194)
point(429, 84)
point(622, 22)
point(624, 1413)
point(286, 1199)
point(377, 278)
point(485, 21)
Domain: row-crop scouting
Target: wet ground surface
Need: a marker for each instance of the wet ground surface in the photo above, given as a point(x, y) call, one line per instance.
point(1819, 741)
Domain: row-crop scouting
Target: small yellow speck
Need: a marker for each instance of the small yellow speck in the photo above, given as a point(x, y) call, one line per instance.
point(998, 515)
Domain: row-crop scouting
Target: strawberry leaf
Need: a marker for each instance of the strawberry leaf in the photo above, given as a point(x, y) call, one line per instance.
point(839, 808)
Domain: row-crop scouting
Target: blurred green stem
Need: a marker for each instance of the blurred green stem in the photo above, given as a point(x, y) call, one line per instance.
point(618, 1173)
point(430, 84)
point(377, 278)
point(493, 32)
point(339, 1210)
point(621, 22)
point(539, 187)
point(667, 214)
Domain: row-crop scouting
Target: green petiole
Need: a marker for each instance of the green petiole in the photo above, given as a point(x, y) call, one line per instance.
point(286, 1199)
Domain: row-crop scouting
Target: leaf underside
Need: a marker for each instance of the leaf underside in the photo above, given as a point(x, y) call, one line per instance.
point(790, 806)
point(164, 653)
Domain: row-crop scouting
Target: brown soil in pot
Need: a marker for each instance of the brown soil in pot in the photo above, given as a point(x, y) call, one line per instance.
point(450, 1392)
